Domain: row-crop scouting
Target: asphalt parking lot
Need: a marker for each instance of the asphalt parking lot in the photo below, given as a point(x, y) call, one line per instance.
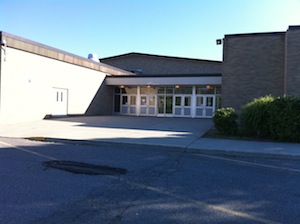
point(160, 186)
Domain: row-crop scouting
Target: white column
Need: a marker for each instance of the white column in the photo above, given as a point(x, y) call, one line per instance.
point(138, 101)
point(193, 110)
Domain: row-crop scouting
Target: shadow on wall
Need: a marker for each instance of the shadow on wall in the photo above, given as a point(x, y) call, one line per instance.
point(102, 103)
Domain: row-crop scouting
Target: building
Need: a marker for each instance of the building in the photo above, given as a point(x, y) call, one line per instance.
point(259, 64)
point(37, 81)
point(165, 86)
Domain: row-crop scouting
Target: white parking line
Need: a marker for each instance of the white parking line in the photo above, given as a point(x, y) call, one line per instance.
point(250, 163)
point(27, 150)
point(205, 205)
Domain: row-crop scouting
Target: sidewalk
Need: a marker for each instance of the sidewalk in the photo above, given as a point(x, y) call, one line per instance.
point(182, 134)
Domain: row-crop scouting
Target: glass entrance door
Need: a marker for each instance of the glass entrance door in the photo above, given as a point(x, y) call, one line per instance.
point(205, 105)
point(148, 105)
point(165, 105)
point(183, 105)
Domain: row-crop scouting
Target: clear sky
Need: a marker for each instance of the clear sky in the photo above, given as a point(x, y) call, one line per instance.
point(183, 28)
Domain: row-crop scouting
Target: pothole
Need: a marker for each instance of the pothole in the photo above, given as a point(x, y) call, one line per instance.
point(84, 168)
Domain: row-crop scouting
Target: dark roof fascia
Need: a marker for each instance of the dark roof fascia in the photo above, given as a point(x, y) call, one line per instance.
point(168, 76)
point(158, 56)
point(90, 64)
point(254, 34)
point(294, 27)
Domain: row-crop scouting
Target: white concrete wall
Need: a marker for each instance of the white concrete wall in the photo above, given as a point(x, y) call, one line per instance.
point(27, 82)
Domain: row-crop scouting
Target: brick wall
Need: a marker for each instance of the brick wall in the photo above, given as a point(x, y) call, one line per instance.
point(163, 65)
point(293, 61)
point(253, 66)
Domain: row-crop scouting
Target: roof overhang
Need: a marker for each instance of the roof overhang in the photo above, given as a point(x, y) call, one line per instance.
point(154, 80)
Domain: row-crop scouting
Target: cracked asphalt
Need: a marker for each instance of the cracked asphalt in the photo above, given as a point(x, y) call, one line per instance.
point(161, 186)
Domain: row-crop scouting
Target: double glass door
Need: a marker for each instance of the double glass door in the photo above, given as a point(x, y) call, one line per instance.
point(148, 105)
point(183, 105)
point(165, 105)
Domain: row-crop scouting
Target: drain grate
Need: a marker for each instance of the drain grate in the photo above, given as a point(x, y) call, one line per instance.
point(84, 168)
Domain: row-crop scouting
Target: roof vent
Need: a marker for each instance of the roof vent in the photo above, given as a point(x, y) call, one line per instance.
point(93, 57)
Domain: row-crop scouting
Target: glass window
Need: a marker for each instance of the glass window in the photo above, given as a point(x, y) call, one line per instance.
point(169, 104)
point(199, 101)
point(143, 100)
point(187, 101)
point(148, 90)
point(132, 100)
point(208, 89)
point(161, 90)
point(131, 90)
point(209, 101)
point(152, 100)
point(161, 104)
point(117, 103)
point(123, 90)
point(178, 101)
point(184, 90)
point(169, 90)
point(124, 100)
point(117, 90)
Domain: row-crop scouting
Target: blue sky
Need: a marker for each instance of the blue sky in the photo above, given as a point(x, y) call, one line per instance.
point(183, 28)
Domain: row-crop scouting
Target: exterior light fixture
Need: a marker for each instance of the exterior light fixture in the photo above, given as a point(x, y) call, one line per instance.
point(177, 86)
point(208, 87)
point(122, 87)
point(148, 86)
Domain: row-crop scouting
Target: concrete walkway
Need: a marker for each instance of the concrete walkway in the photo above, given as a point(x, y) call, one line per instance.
point(177, 133)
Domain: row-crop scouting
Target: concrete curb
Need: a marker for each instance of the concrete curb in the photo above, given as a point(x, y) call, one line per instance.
point(176, 148)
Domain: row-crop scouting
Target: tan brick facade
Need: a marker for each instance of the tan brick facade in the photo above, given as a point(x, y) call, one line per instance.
point(292, 74)
point(256, 65)
point(163, 65)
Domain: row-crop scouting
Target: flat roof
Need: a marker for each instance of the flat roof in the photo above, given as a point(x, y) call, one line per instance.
point(30, 46)
point(255, 34)
point(171, 75)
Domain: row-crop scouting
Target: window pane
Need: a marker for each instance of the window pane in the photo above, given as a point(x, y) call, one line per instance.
point(132, 100)
point(117, 89)
point(205, 89)
point(148, 90)
point(143, 100)
point(209, 101)
point(152, 100)
point(117, 103)
point(124, 100)
point(131, 90)
point(177, 101)
point(169, 90)
point(184, 90)
point(161, 90)
point(199, 101)
point(169, 104)
point(187, 101)
point(161, 104)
